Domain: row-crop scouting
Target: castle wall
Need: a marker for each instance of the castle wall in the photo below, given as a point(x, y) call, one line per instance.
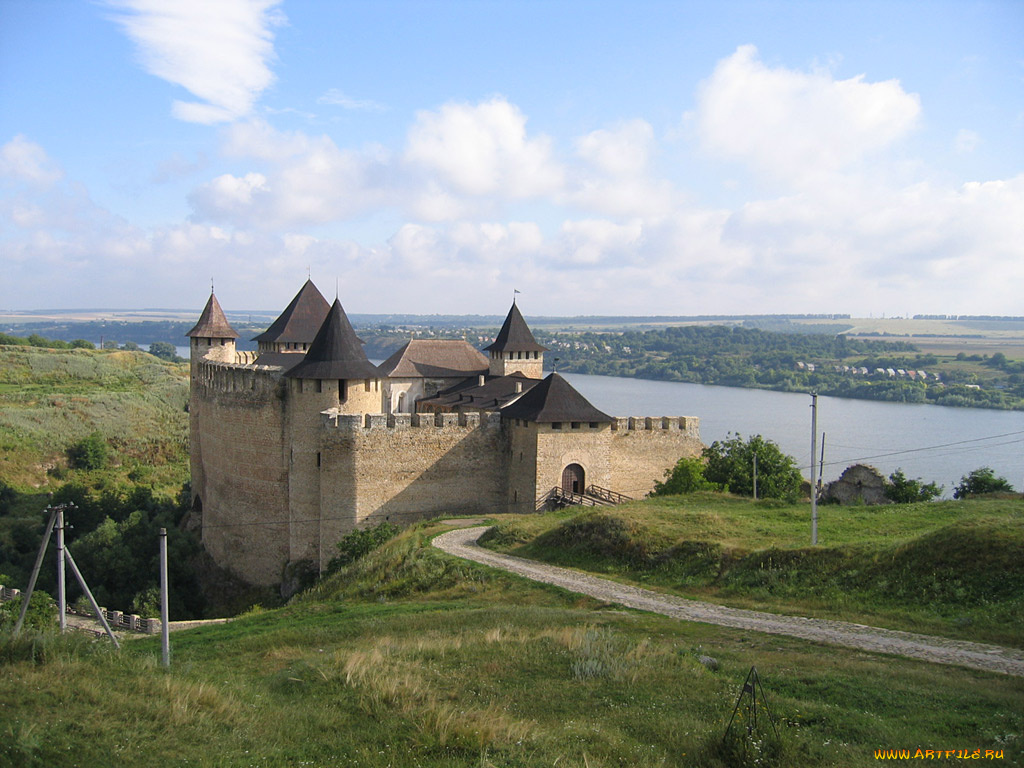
point(641, 449)
point(583, 445)
point(523, 492)
point(239, 472)
point(406, 467)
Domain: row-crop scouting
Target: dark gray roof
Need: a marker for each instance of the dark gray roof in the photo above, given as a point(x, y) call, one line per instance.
point(212, 323)
point(336, 352)
point(300, 320)
point(515, 335)
point(434, 358)
point(495, 392)
point(553, 399)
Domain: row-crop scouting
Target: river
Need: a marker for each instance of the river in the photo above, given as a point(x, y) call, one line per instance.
point(938, 444)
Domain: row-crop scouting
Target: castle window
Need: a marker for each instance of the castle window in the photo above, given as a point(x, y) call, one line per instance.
point(367, 385)
point(319, 388)
point(593, 425)
point(342, 391)
point(318, 459)
point(556, 425)
point(575, 424)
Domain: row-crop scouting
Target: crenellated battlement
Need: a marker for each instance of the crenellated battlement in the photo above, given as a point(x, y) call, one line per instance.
point(687, 424)
point(400, 421)
point(228, 378)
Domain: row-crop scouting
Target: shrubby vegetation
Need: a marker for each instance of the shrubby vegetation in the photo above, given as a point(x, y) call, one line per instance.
point(728, 465)
point(91, 452)
point(900, 489)
point(981, 480)
point(41, 615)
point(361, 542)
point(106, 431)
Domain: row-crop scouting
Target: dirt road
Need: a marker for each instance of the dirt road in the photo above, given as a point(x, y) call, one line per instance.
point(990, 658)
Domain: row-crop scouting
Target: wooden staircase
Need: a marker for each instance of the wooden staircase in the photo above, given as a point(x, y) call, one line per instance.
point(592, 496)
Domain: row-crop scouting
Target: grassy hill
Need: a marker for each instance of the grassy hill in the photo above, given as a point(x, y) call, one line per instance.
point(412, 658)
point(51, 398)
point(953, 568)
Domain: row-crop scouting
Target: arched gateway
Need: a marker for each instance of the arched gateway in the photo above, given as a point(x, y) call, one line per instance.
point(573, 479)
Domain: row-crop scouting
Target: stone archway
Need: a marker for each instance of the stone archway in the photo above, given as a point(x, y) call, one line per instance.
point(573, 479)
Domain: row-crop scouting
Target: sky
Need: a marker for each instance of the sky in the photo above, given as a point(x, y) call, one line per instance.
point(433, 156)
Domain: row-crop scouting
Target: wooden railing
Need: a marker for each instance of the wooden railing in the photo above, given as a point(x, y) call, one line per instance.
point(595, 496)
point(612, 497)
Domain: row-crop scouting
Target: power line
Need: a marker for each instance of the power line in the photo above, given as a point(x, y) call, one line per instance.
point(936, 447)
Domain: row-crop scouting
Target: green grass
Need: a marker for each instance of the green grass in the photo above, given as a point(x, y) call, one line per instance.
point(373, 669)
point(953, 568)
point(51, 398)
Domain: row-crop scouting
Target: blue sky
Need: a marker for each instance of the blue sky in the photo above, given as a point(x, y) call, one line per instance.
point(430, 156)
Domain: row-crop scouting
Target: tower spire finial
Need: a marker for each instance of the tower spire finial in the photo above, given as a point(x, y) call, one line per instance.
point(211, 286)
point(514, 292)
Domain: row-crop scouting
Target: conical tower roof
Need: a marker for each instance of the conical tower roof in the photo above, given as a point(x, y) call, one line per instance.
point(515, 335)
point(300, 320)
point(554, 399)
point(336, 352)
point(212, 323)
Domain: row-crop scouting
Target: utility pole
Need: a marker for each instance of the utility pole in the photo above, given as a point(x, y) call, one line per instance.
point(62, 606)
point(165, 638)
point(35, 569)
point(63, 556)
point(814, 455)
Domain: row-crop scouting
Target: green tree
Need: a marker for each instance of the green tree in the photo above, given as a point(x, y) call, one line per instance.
point(687, 476)
point(730, 465)
point(91, 452)
point(981, 480)
point(164, 350)
point(900, 489)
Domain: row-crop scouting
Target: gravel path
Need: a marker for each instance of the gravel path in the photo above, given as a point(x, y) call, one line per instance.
point(940, 650)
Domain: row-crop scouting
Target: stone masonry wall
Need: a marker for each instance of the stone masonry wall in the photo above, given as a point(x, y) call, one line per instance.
point(238, 468)
point(407, 467)
point(643, 448)
point(558, 448)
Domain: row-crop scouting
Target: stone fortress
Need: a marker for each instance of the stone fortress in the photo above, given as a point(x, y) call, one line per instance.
point(302, 441)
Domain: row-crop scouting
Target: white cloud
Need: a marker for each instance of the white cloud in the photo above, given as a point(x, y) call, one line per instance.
point(483, 149)
point(967, 141)
point(24, 160)
point(218, 51)
point(622, 151)
point(597, 242)
point(336, 97)
point(794, 126)
point(309, 181)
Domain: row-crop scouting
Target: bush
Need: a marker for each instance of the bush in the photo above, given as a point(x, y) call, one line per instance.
point(981, 480)
point(89, 453)
point(730, 465)
point(687, 476)
point(361, 542)
point(902, 490)
point(41, 614)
